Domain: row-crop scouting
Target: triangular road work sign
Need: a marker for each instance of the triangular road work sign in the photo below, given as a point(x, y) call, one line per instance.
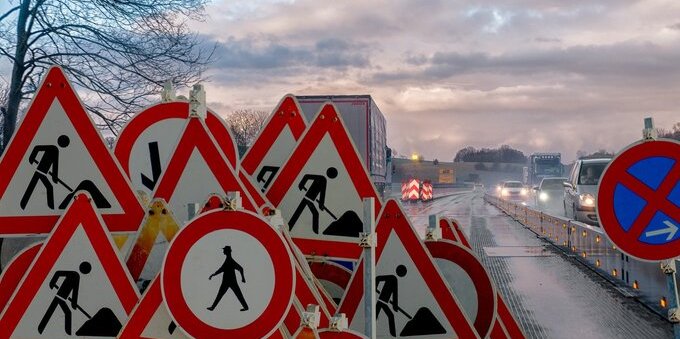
point(145, 258)
point(196, 169)
point(151, 319)
point(320, 190)
point(55, 152)
point(275, 143)
point(413, 300)
point(76, 286)
point(145, 144)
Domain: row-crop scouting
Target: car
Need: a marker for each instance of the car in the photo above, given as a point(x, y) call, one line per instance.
point(549, 194)
point(580, 190)
point(513, 190)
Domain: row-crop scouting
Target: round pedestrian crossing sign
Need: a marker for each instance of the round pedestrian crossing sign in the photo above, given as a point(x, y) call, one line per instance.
point(228, 274)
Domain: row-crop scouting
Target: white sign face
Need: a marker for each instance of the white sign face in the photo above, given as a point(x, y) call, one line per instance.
point(228, 279)
point(77, 278)
point(400, 285)
point(462, 286)
point(162, 326)
point(228, 274)
point(150, 153)
point(275, 157)
point(322, 202)
point(56, 164)
point(196, 182)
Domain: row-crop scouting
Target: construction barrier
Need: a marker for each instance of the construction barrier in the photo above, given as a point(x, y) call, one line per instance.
point(426, 192)
point(412, 190)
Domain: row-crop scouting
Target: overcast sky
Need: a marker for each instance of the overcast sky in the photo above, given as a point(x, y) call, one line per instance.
point(548, 75)
point(537, 75)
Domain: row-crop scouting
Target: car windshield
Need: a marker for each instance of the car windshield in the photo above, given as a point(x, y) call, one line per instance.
point(551, 184)
point(590, 173)
point(513, 184)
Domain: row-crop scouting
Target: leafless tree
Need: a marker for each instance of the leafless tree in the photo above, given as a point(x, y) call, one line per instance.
point(117, 52)
point(245, 124)
point(4, 96)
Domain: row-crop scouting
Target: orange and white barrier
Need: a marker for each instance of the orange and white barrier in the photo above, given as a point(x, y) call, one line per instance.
point(426, 193)
point(412, 192)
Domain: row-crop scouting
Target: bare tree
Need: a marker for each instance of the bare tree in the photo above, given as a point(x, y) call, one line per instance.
point(245, 124)
point(118, 52)
point(4, 96)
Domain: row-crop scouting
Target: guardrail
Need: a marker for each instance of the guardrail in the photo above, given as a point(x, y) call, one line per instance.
point(589, 244)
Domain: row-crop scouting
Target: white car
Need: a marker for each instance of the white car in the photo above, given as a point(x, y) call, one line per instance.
point(513, 190)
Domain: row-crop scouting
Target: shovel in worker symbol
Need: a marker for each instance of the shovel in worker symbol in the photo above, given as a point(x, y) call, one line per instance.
point(104, 323)
point(423, 322)
point(348, 225)
point(47, 173)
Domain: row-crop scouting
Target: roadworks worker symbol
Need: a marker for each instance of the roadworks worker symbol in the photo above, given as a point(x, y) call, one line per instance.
point(56, 152)
point(320, 190)
point(412, 298)
point(75, 287)
point(228, 274)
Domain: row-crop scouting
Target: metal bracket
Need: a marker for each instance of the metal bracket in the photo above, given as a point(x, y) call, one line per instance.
point(674, 315)
point(233, 201)
point(367, 240)
point(168, 93)
point(311, 317)
point(197, 104)
point(649, 132)
point(338, 323)
point(668, 266)
point(434, 231)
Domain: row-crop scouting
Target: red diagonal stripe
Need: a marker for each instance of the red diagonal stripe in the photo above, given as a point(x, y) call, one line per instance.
point(656, 200)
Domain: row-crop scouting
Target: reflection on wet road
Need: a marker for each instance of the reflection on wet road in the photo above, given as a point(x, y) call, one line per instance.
point(552, 295)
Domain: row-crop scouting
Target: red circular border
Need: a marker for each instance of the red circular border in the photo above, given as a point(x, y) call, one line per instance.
point(251, 224)
point(164, 111)
point(486, 292)
point(605, 200)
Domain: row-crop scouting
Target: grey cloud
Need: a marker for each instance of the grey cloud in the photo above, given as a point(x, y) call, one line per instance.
point(268, 54)
point(675, 26)
point(634, 61)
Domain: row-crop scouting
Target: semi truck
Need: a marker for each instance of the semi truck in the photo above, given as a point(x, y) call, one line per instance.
point(542, 165)
point(366, 125)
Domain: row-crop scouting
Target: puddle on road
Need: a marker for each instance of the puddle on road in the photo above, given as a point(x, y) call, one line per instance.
point(518, 251)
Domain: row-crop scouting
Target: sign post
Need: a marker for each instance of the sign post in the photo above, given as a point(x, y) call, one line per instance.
point(639, 206)
point(368, 244)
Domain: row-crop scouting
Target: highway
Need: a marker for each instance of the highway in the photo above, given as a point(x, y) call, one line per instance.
point(551, 294)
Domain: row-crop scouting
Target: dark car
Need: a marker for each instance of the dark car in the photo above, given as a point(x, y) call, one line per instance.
point(550, 194)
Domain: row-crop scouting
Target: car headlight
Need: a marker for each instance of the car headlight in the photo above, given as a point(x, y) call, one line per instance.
point(543, 196)
point(587, 199)
point(498, 188)
point(523, 191)
point(504, 191)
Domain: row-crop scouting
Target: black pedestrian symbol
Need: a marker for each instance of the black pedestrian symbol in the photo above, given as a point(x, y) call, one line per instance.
point(422, 323)
point(266, 175)
point(48, 168)
point(103, 324)
point(228, 270)
point(155, 158)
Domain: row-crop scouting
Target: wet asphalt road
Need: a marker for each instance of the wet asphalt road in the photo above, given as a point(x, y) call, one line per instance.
point(551, 294)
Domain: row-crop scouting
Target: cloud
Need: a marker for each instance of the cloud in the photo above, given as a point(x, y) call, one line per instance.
point(543, 75)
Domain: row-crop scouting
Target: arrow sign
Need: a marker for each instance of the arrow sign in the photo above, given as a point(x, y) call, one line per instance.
point(155, 158)
point(671, 230)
